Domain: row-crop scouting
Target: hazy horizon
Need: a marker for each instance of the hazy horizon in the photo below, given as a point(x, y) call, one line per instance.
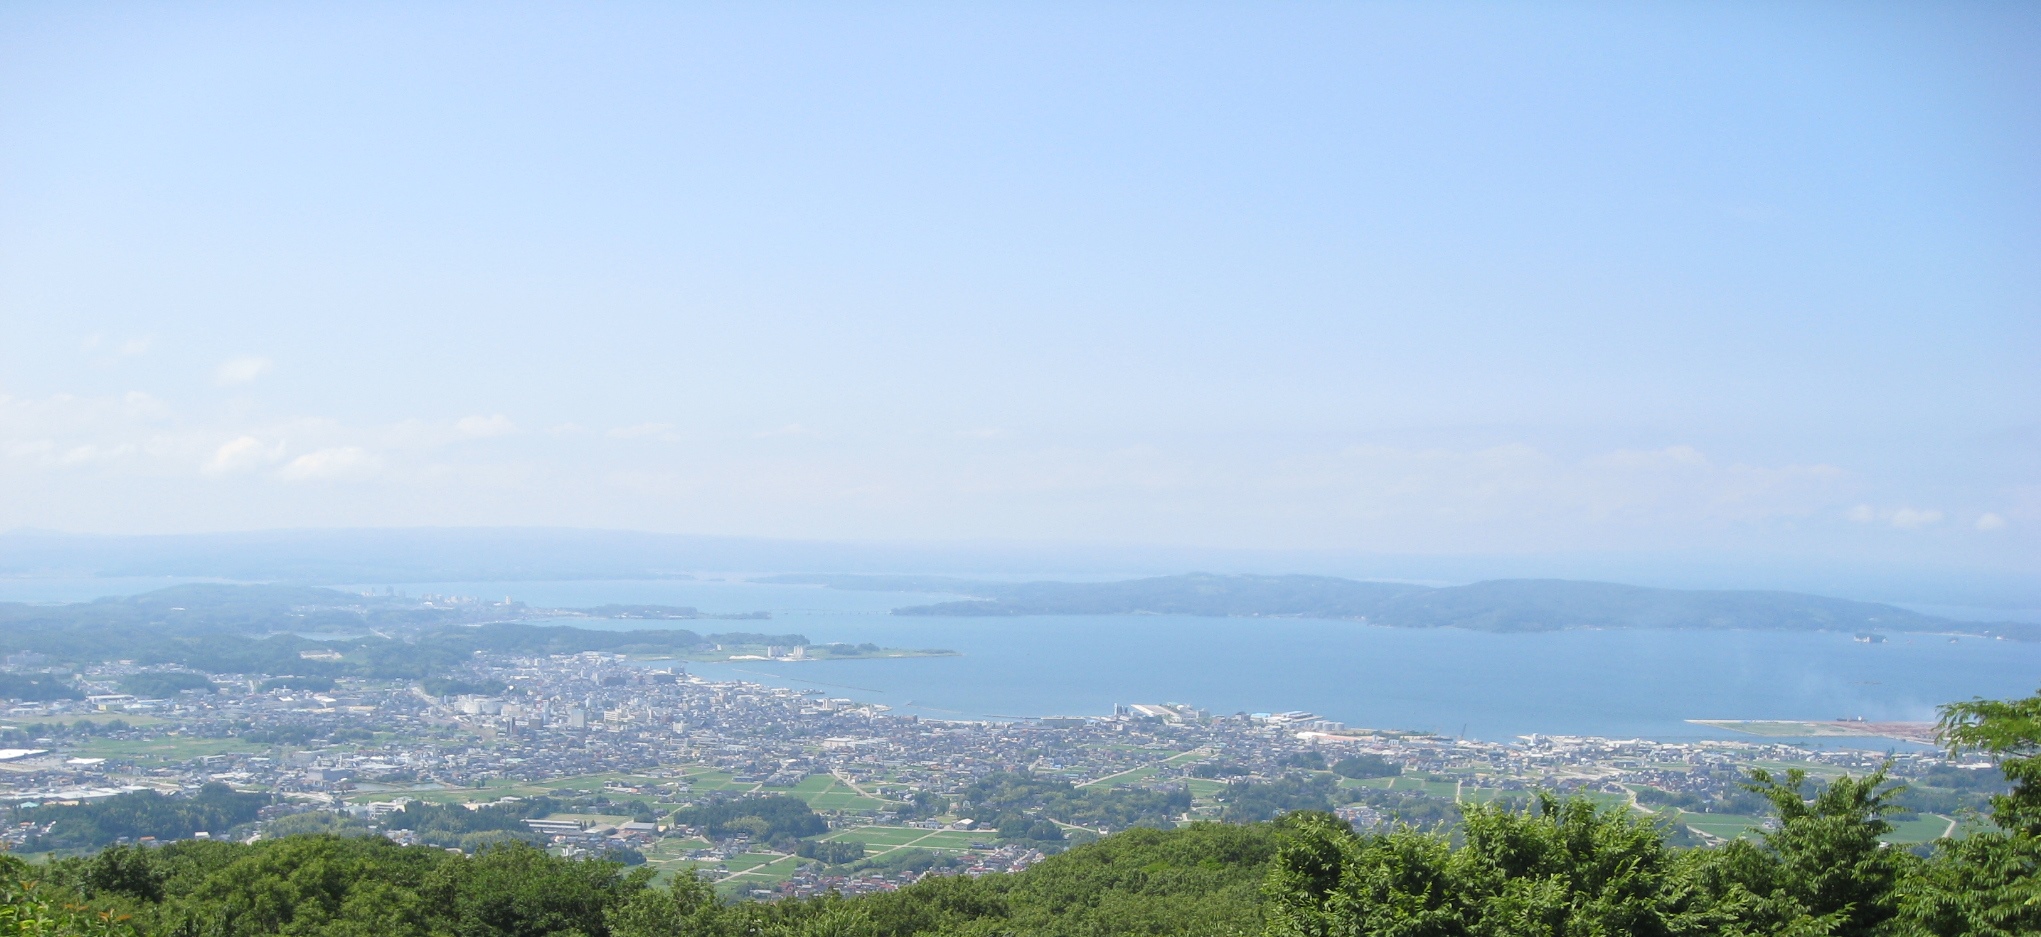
point(441, 554)
point(1739, 296)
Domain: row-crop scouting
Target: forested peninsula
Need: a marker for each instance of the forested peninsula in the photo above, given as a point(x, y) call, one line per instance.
point(1496, 605)
point(305, 631)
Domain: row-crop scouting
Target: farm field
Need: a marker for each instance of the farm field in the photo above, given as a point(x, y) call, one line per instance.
point(590, 819)
point(827, 792)
point(1721, 825)
point(887, 838)
point(173, 748)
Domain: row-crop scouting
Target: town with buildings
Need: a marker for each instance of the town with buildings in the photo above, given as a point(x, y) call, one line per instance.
point(626, 748)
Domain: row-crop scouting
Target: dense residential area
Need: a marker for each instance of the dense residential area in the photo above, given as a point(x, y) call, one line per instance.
point(458, 758)
point(636, 799)
point(598, 754)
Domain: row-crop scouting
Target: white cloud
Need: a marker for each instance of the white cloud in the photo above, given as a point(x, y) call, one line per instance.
point(338, 463)
point(138, 405)
point(1915, 518)
point(1650, 459)
point(481, 427)
point(1990, 521)
point(241, 370)
point(242, 453)
point(1862, 514)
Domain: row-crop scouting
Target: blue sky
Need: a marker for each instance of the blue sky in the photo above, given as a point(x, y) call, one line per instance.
point(1757, 280)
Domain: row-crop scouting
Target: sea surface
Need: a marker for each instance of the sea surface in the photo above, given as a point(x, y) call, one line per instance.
point(1617, 683)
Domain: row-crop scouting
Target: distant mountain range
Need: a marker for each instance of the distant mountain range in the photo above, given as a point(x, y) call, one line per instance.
point(1497, 605)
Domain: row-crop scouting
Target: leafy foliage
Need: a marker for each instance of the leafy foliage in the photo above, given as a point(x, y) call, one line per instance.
point(165, 683)
point(36, 687)
point(1310, 759)
point(773, 817)
point(1739, 801)
point(1366, 766)
point(1020, 805)
point(30, 909)
point(1410, 808)
point(1197, 880)
point(214, 808)
point(1989, 884)
point(1560, 868)
point(921, 805)
point(456, 826)
point(831, 853)
point(1252, 801)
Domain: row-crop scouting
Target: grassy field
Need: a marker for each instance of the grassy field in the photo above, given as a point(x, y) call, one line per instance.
point(1443, 788)
point(1380, 784)
point(169, 748)
point(879, 836)
point(137, 720)
point(826, 792)
point(888, 838)
point(754, 869)
point(1607, 800)
point(1203, 790)
point(1124, 778)
point(595, 819)
point(593, 783)
point(670, 855)
point(1721, 825)
point(709, 779)
point(499, 788)
point(761, 864)
point(1927, 829)
point(821, 791)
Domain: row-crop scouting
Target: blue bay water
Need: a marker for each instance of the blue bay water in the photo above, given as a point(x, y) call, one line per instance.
point(1611, 683)
point(1625, 683)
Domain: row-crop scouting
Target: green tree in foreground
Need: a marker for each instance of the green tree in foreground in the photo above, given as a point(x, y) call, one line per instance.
point(1823, 871)
point(1989, 884)
point(1556, 868)
point(1569, 868)
point(29, 909)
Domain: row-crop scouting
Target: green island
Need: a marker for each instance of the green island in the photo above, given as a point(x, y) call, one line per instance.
point(1506, 605)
